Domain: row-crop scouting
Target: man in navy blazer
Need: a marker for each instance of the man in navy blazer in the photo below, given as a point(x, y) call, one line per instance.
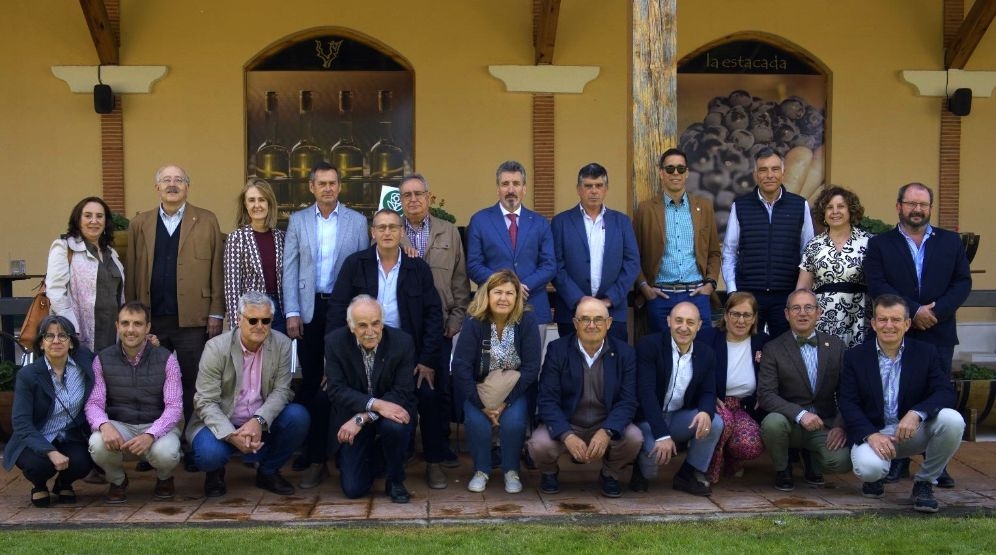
point(924, 265)
point(676, 389)
point(897, 401)
point(405, 289)
point(318, 239)
point(490, 244)
point(587, 400)
point(596, 254)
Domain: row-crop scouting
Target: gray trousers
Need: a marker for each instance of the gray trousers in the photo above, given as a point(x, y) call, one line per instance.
point(938, 438)
point(163, 455)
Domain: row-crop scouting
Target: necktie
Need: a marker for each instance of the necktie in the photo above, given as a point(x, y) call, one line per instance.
point(513, 228)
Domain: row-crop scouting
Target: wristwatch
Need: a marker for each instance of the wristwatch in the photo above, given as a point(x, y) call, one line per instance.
point(358, 419)
point(261, 420)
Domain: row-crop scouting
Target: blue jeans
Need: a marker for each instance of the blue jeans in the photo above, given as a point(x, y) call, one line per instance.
point(285, 434)
point(358, 460)
point(659, 308)
point(512, 433)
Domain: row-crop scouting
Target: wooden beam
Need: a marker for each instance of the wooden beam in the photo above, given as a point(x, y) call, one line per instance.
point(546, 30)
point(104, 39)
point(972, 29)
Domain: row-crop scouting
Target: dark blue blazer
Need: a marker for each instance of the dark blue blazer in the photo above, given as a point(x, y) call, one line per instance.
point(419, 306)
point(489, 249)
point(34, 403)
point(347, 377)
point(467, 358)
point(653, 374)
point(715, 338)
point(889, 268)
point(923, 386)
point(620, 262)
point(562, 383)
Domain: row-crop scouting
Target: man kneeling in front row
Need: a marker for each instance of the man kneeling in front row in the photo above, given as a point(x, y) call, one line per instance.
point(896, 401)
point(243, 403)
point(136, 405)
point(587, 399)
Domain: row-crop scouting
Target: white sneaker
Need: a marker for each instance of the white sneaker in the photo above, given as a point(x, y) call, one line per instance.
point(512, 482)
point(479, 482)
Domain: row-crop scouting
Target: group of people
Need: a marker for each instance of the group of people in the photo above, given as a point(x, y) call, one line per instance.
point(389, 339)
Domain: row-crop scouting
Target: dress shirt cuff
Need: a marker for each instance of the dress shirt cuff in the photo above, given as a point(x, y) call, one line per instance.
point(216, 317)
point(370, 404)
point(292, 314)
point(662, 438)
point(798, 417)
point(921, 414)
point(373, 416)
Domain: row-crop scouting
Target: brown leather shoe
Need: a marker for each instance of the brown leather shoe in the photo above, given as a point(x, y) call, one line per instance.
point(164, 489)
point(116, 493)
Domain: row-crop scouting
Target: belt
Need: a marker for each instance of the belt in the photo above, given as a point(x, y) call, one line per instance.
point(323, 296)
point(678, 287)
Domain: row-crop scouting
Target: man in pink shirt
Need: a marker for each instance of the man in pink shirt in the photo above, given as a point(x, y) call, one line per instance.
point(243, 399)
point(136, 405)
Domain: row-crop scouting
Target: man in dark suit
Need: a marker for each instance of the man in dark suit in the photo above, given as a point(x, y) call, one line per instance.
point(676, 389)
point(679, 246)
point(927, 267)
point(897, 401)
point(587, 400)
point(318, 240)
point(405, 290)
point(510, 236)
point(797, 385)
point(173, 265)
point(596, 254)
point(370, 385)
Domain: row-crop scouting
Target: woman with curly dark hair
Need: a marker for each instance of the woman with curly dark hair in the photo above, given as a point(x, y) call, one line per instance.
point(832, 266)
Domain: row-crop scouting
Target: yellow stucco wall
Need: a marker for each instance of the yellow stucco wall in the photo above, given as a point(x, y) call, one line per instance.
point(882, 134)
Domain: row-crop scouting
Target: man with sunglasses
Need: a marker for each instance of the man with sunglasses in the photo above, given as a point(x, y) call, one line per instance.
point(765, 235)
point(587, 400)
point(679, 246)
point(243, 399)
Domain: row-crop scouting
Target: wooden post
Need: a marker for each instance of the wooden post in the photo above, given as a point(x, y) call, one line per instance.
point(655, 80)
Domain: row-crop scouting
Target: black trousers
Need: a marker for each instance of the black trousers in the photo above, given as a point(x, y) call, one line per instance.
point(188, 344)
point(39, 470)
point(311, 362)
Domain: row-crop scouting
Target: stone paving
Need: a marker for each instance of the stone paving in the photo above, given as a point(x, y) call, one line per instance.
point(974, 469)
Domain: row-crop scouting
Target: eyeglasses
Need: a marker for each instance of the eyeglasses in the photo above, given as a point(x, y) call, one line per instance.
point(672, 169)
point(740, 315)
point(60, 337)
point(414, 194)
point(172, 180)
point(915, 205)
point(599, 321)
point(386, 227)
point(799, 309)
point(254, 321)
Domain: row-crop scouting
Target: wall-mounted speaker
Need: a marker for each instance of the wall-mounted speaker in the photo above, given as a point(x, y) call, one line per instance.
point(103, 99)
point(960, 103)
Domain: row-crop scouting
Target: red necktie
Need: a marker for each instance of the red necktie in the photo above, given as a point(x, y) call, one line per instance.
point(513, 228)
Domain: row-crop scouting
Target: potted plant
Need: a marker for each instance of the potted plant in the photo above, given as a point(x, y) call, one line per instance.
point(120, 235)
point(8, 373)
point(976, 389)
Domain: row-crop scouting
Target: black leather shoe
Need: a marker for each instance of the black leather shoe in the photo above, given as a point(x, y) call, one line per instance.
point(274, 482)
point(143, 466)
point(549, 483)
point(214, 483)
point(610, 486)
point(945, 480)
point(812, 477)
point(637, 482)
point(40, 497)
point(873, 490)
point(397, 492)
point(783, 480)
point(898, 469)
point(690, 484)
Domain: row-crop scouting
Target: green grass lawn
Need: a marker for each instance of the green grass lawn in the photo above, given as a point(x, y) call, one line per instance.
point(761, 535)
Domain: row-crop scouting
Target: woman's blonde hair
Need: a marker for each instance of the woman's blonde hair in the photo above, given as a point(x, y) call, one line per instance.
point(242, 214)
point(480, 308)
point(739, 297)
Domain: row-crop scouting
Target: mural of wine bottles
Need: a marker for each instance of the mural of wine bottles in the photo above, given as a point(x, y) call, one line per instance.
point(360, 121)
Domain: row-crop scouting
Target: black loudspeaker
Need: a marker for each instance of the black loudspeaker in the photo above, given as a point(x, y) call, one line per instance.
point(103, 99)
point(960, 103)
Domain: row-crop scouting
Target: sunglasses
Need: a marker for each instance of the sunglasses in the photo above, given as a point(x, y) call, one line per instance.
point(254, 321)
point(672, 169)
